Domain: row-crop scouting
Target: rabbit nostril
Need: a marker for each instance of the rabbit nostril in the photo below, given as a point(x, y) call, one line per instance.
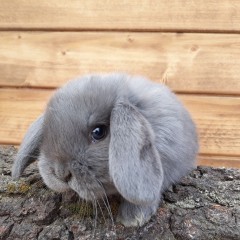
point(68, 177)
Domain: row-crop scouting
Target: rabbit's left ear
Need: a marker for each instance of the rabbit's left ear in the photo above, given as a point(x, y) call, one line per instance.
point(134, 163)
point(29, 149)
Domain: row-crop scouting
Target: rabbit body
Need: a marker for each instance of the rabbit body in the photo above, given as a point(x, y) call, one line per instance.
point(147, 141)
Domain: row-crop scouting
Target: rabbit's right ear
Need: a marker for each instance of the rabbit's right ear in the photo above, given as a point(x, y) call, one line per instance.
point(134, 163)
point(29, 149)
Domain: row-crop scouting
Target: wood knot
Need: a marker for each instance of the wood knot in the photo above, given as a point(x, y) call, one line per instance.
point(194, 48)
point(129, 38)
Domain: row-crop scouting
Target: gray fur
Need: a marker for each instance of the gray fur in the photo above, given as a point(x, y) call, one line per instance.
point(133, 155)
point(29, 148)
point(151, 142)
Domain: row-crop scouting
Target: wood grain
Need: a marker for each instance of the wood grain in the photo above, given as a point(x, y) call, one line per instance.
point(217, 118)
point(18, 109)
point(219, 161)
point(175, 15)
point(218, 121)
point(195, 63)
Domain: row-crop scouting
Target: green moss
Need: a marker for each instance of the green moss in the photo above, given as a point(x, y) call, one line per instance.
point(18, 187)
point(24, 188)
point(114, 207)
point(11, 188)
point(82, 209)
point(85, 209)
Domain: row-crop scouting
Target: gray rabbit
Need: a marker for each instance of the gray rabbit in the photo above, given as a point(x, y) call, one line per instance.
point(112, 134)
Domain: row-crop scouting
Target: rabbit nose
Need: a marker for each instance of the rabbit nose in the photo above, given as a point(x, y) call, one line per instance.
point(68, 177)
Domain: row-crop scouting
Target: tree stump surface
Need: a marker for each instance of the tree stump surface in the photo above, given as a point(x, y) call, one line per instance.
point(204, 205)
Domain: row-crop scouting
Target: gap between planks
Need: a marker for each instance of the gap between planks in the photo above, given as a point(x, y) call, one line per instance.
point(121, 30)
point(193, 93)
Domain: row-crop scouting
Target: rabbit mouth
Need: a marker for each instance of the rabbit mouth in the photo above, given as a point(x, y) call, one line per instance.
point(88, 193)
point(92, 192)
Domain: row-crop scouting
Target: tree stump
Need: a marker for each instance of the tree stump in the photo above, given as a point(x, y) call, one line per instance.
point(204, 205)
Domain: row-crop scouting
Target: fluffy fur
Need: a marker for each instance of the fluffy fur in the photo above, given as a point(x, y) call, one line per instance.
point(151, 142)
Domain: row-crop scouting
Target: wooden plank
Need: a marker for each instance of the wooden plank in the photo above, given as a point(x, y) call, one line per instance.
point(175, 15)
point(200, 63)
point(218, 121)
point(219, 161)
point(217, 118)
point(18, 109)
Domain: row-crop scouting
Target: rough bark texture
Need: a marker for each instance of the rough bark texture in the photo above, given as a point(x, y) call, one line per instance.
point(204, 205)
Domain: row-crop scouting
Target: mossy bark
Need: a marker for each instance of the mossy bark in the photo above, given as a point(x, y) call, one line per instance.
point(204, 205)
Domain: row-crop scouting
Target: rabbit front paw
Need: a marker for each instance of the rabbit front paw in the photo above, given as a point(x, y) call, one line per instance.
point(131, 215)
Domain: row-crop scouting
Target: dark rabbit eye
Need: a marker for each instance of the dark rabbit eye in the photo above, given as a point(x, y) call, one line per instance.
point(99, 133)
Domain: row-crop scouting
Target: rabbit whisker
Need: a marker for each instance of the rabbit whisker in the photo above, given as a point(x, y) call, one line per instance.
point(104, 198)
point(101, 211)
point(85, 210)
point(96, 215)
point(107, 205)
point(104, 192)
point(96, 204)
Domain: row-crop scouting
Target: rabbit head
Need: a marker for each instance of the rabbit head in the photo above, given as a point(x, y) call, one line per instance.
point(93, 138)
